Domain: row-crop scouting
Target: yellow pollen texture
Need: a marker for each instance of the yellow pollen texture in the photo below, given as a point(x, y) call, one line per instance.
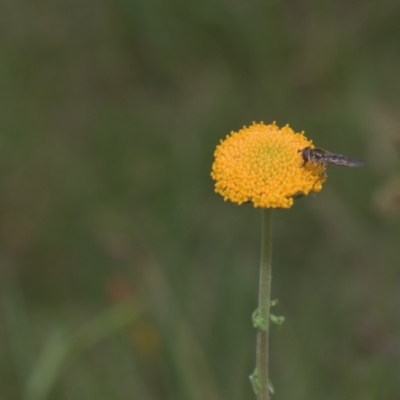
point(263, 164)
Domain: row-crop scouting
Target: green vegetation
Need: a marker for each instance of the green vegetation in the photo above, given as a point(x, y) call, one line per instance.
point(109, 115)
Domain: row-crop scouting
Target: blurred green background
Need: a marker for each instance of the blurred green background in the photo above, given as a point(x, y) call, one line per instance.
point(123, 276)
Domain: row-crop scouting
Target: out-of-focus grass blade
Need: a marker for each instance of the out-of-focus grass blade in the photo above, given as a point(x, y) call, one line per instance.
point(63, 347)
point(16, 321)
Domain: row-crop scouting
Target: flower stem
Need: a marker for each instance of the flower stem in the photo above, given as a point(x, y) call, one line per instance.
point(264, 296)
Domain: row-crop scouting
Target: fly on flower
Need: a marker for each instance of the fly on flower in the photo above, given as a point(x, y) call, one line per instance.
point(324, 157)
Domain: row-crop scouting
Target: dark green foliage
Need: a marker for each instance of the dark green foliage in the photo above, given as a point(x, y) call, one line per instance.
point(110, 112)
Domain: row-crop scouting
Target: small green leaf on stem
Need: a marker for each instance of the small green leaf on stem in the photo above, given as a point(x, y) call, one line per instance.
point(276, 320)
point(258, 321)
point(255, 382)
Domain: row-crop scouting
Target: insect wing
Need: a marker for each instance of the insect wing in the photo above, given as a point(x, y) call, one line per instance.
point(341, 160)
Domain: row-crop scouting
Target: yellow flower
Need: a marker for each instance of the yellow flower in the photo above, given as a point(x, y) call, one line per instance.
point(264, 165)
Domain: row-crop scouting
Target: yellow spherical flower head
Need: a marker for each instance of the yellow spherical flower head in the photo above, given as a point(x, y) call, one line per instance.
point(264, 164)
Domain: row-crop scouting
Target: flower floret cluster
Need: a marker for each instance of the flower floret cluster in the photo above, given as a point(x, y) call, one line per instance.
point(263, 164)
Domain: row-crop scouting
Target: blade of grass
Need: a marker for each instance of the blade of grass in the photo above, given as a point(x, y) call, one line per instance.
point(64, 348)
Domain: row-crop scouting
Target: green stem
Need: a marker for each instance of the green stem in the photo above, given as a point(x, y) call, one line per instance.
point(264, 296)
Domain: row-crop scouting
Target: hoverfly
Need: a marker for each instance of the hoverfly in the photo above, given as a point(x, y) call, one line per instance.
point(324, 157)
